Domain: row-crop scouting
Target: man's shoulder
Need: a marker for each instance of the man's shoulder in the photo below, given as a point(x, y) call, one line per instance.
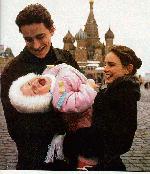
point(62, 52)
point(64, 56)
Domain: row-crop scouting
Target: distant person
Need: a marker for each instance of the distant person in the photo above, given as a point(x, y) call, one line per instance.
point(147, 85)
point(114, 116)
point(32, 132)
point(140, 79)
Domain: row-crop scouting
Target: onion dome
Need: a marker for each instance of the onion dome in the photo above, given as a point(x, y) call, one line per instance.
point(109, 34)
point(8, 52)
point(81, 35)
point(69, 38)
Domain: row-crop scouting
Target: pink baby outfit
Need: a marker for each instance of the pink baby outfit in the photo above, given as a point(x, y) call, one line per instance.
point(72, 95)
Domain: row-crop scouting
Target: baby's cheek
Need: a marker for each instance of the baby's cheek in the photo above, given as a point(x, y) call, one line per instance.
point(43, 90)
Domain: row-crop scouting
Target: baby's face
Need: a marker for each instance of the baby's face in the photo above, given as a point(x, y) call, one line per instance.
point(36, 86)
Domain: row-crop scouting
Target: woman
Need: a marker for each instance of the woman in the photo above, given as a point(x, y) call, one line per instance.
point(114, 115)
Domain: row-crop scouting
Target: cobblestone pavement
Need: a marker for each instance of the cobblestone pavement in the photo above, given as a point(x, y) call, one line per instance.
point(137, 159)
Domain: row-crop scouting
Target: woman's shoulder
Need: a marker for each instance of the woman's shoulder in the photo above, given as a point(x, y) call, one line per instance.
point(125, 86)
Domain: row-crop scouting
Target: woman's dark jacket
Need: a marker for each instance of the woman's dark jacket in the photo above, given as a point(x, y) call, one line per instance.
point(31, 132)
point(114, 123)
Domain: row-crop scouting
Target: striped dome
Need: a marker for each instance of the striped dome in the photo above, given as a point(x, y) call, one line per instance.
point(81, 35)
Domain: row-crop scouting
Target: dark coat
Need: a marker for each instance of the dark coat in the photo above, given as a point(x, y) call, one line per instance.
point(114, 124)
point(32, 132)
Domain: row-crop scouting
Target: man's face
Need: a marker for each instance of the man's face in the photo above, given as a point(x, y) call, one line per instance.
point(37, 38)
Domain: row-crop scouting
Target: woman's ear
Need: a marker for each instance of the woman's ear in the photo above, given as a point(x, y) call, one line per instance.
point(52, 30)
point(130, 68)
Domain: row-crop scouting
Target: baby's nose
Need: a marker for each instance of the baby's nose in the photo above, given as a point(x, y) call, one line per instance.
point(34, 86)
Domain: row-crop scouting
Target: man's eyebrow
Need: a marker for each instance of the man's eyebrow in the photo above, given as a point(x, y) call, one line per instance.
point(28, 37)
point(108, 62)
point(41, 34)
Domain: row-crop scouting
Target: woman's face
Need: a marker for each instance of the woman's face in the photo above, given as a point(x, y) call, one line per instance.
point(36, 86)
point(113, 68)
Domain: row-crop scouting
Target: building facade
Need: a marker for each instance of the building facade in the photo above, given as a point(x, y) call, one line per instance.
point(5, 56)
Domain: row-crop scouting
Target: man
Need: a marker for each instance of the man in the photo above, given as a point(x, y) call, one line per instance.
point(33, 133)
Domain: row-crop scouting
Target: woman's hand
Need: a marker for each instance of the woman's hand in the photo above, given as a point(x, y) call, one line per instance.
point(92, 84)
point(84, 163)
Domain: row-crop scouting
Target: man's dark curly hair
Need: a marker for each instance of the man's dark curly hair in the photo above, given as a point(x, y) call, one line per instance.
point(34, 13)
point(127, 56)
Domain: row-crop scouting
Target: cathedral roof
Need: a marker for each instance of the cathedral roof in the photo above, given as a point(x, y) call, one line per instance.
point(81, 35)
point(69, 38)
point(109, 34)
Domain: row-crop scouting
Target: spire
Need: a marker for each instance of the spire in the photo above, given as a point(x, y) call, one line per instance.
point(91, 4)
point(91, 25)
point(91, 18)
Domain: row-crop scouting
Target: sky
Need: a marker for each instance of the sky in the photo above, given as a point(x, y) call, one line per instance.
point(128, 19)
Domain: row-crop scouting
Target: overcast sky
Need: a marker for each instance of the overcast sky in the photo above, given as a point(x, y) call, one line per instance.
point(128, 19)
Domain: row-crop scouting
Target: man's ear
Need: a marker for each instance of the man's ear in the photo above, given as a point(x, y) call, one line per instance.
point(52, 30)
point(130, 68)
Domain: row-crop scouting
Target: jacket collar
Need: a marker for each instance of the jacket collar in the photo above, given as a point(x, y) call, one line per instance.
point(30, 58)
point(125, 79)
point(54, 56)
point(131, 82)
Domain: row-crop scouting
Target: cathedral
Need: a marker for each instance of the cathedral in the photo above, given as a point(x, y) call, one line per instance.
point(89, 52)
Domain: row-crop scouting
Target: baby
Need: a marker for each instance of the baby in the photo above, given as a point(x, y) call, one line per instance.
point(62, 87)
